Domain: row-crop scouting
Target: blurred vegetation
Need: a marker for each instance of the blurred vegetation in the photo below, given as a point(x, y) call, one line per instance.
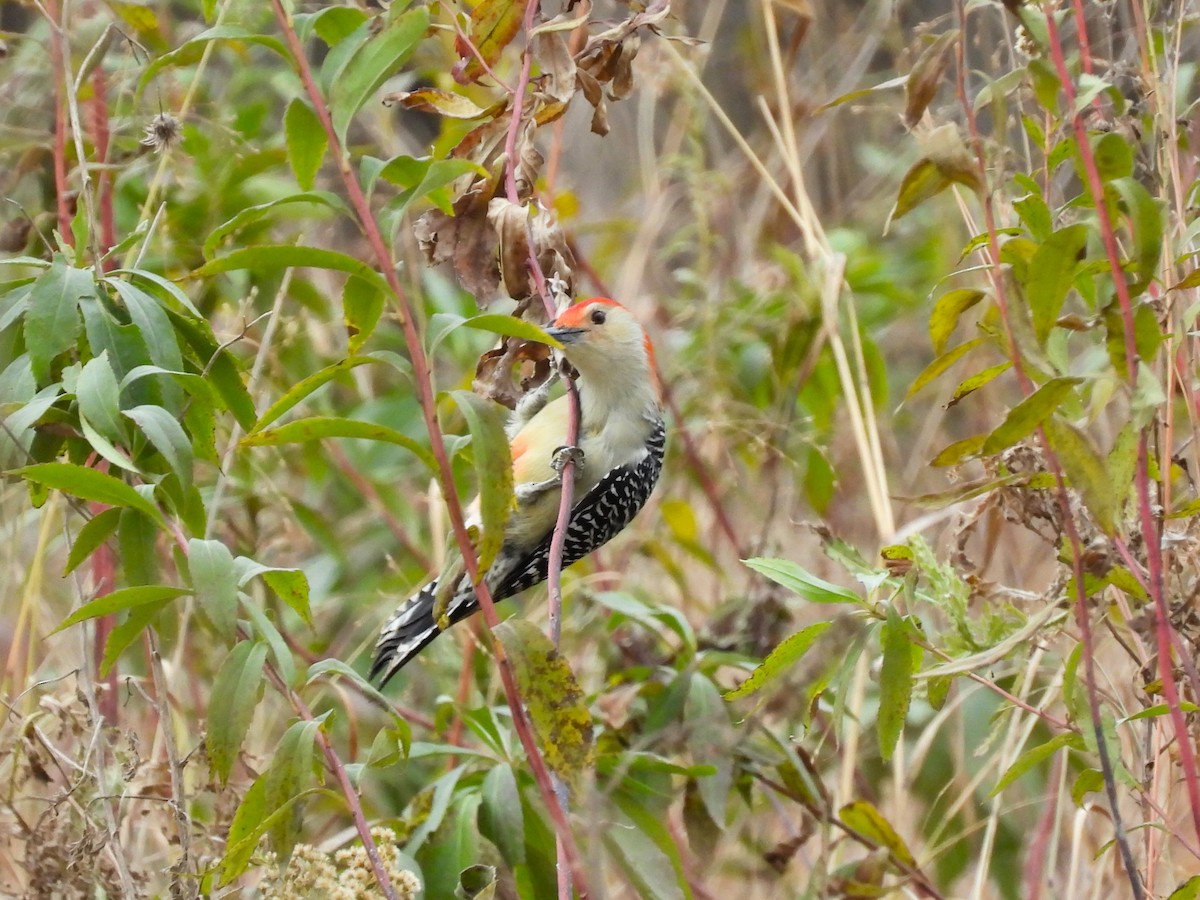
point(913, 609)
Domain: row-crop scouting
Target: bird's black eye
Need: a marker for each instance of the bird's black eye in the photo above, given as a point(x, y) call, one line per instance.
point(598, 316)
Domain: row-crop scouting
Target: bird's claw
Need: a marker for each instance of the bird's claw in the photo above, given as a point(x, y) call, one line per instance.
point(563, 456)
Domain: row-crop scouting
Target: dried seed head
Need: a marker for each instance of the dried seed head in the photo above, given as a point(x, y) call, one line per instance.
point(161, 133)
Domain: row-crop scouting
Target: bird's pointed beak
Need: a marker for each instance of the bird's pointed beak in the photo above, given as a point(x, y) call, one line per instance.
point(566, 335)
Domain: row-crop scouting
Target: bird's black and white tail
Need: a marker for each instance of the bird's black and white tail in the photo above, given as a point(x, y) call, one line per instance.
point(410, 629)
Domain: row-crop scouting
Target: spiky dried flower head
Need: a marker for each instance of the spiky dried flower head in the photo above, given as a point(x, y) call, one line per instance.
point(162, 132)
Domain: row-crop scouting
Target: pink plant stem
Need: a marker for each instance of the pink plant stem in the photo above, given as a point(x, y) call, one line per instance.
point(567, 497)
point(428, 404)
point(1151, 532)
point(1082, 612)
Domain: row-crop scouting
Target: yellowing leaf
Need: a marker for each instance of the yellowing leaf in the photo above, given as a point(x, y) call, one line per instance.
point(552, 695)
point(1024, 418)
point(946, 312)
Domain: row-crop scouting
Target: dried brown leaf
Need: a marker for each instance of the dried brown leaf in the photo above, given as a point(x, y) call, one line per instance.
point(446, 103)
point(926, 76)
point(558, 66)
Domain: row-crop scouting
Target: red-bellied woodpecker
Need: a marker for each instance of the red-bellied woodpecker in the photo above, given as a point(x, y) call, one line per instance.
point(617, 463)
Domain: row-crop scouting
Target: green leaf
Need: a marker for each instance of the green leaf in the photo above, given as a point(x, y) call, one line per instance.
point(476, 882)
point(501, 818)
point(362, 306)
point(895, 681)
point(288, 256)
point(968, 386)
point(646, 853)
point(125, 598)
point(52, 321)
point(214, 579)
point(125, 633)
point(1160, 709)
point(797, 580)
point(1188, 890)
point(306, 142)
point(1145, 223)
point(1085, 470)
point(187, 52)
point(89, 484)
point(789, 652)
point(941, 364)
point(1035, 755)
point(493, 469)
point(425, 178)
point(168, 288)
point(869, 822)
point(252, 214)
point(222, 371)
point(511, 326)
point(167, 437)
point(1050, 274)
point(306, 387)
point(557, 710)
point(291, 770)
point(326, 668)
point(95, 532)
point(373, 64)
point(152, 322)
point(1024, 418)
point(98, 395)
point(236, 692)
point(953, 454)
point(1114, 156)
point(946, 312)
point(317, 427)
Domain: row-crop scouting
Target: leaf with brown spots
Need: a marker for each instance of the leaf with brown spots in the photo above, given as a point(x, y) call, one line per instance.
point(553, 697)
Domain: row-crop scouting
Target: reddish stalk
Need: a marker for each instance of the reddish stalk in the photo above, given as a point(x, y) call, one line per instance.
point(1151, 530)
point(567, 496)
point(1082, 613)
point(100, 137)
point(427, 403)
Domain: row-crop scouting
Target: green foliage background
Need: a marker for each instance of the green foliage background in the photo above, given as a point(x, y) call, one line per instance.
point(912, 610)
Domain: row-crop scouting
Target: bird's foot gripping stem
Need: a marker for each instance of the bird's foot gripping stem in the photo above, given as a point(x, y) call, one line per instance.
point(567, 455)
point(529, 491)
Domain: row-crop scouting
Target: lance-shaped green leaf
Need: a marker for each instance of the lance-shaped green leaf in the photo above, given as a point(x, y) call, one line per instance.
point(290, 773)
point(187, 52)
point(552, 695)
point(1035, 755)
point(167, 437)
point(1024, 418)
point(968, 386)
point(493, 470)
point(1145, 223)
point(946, 312)
point(870, 823)
point(783, 657)
point(306, 144)
point(52, 320)
point(501, 817)
point(1085, 470)
point(373, 64)
point(152, 321)
point(895, 680)
point(89, 484)
point(214, 579)
point(306, 387)
point(941, 364)
point(288, 256)
point(221, 370)
point(95, 532)
point(1050, 274)
point(125, 598)
point(796, 579)
point(252, 214)
point(362, 306)
point(316, 427)
point(236, 692)
point(125, 633)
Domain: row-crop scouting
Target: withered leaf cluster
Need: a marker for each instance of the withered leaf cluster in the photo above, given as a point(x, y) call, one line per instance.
point(496, 229)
